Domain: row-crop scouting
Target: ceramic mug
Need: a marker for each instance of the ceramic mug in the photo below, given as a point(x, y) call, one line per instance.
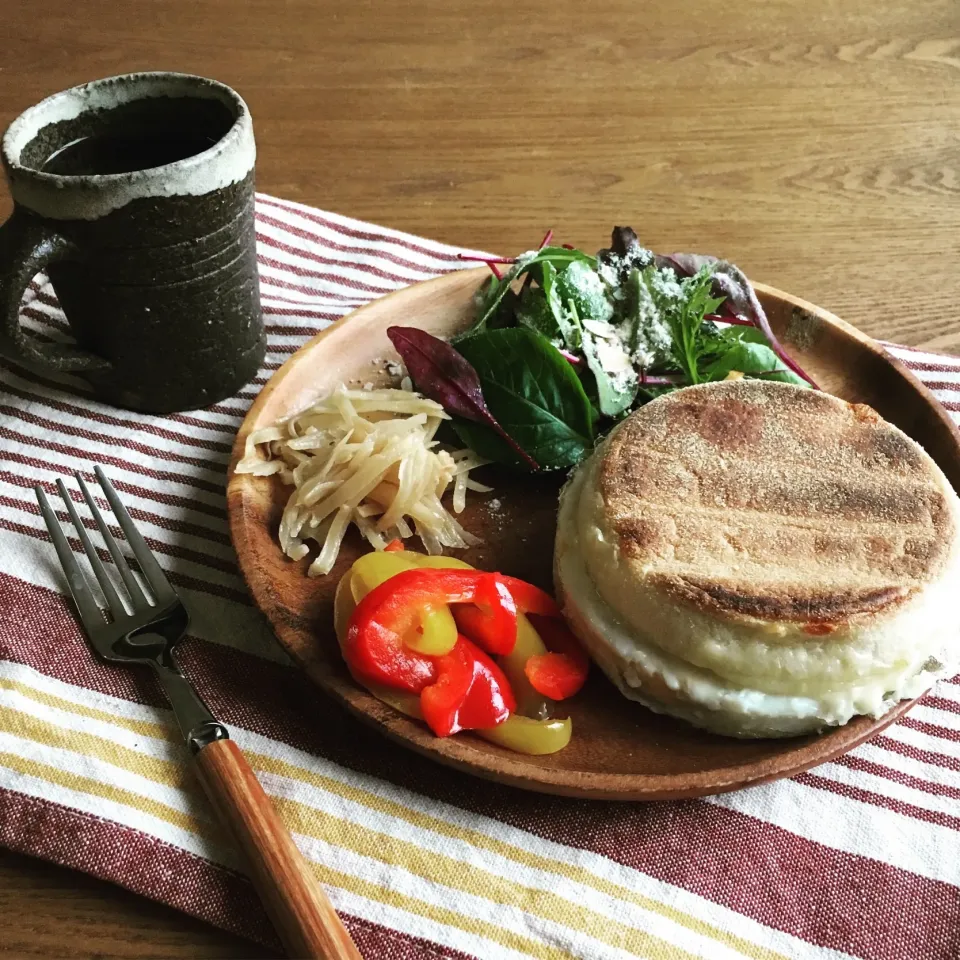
point(135, 195)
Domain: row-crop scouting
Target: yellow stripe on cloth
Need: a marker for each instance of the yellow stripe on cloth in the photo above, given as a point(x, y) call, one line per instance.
point(148, 728)
point(320, 825)
point(335, 878)
point(510, 851)
point(457, 875)
point(106, 791)
point(364, 841)
point(166, 772)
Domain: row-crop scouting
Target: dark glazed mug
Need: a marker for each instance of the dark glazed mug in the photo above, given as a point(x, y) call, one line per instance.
point(135, 195)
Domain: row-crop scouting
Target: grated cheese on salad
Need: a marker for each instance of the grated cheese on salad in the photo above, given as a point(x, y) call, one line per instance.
point(368, 458)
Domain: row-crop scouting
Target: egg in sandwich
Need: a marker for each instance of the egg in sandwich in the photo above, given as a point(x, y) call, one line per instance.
point(762, 560)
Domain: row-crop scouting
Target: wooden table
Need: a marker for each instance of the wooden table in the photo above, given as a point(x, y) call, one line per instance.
point(816, 144)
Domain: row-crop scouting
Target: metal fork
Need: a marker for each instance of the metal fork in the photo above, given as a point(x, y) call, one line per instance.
point(146, 634)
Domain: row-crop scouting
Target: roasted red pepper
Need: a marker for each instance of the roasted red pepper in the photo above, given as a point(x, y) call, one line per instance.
point(562, 671)
point(492, 621)
point(531, 599)
point(470, 692)
point(374, 647)
point(490, 628)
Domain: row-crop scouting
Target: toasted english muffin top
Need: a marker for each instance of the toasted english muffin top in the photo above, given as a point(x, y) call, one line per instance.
point(761, 500)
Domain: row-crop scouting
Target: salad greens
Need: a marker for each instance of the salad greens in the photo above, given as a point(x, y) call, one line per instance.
point(535, 396)
point(454, 382)
point(565, 344)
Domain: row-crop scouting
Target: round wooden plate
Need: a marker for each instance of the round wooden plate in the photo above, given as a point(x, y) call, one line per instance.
point(619, 749)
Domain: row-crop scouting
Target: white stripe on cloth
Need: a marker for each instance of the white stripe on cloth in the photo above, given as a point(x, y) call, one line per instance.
point(315, 268)
point(366, 816)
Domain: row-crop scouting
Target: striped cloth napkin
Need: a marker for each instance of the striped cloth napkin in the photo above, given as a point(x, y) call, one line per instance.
point(859, 857)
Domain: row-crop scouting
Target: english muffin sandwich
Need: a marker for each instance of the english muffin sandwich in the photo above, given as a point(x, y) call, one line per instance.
point(762, 560)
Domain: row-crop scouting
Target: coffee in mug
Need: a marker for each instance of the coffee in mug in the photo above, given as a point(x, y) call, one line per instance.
point(135, 195)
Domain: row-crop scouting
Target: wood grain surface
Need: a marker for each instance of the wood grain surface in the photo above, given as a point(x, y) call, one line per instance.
point(816, 144)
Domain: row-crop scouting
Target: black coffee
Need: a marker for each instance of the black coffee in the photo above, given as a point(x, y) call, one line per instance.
point(122, 154)
point(133, 136)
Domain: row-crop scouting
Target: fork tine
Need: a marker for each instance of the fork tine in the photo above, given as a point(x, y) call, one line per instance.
point(106, 585)
point(137, 596)
point(90, 612)
point(162, 591)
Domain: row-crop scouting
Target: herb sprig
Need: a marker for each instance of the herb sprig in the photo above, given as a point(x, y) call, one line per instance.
point(565, 344)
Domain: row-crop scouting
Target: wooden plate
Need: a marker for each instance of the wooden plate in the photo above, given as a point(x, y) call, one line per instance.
point(619, 749)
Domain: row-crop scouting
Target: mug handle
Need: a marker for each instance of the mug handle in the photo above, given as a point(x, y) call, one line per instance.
point(29, 245)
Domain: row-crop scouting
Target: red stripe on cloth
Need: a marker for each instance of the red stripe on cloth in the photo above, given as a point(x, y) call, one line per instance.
point(226, 410)
point(166, 523)
point(281, 330)
point(941, 385)
point(825, 896)
point(307, 311)
point(56, 426)
point(314, 302)
point(132, 425)
point(855, 762)
point(931, 729)
point(879, 800)
point(885, 742)
point(271, 281)
point(355, 233)
point(156, 869)
point(942, 703)
point(51, 322)
point(213, 425)
point(130, 467)
point(48, 298)
point(176, 578)
point(370, 268)
point(325, 276)
point(31, 508)
point(931, 365)
point(326, 243)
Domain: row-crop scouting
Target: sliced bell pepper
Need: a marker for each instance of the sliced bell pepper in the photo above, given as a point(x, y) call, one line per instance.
point(374, 647)
point(531, 599)
point(395, 546)
point(343, 606)
point(470, 692)
point(372, 569)
point(445, 563)
point(562, 671)
point(492, 621)
point(436, 632)
point(530, 702)
point(526, 735)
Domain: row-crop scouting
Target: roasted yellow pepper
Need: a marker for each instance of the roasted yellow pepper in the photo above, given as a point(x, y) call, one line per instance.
point(527, 731)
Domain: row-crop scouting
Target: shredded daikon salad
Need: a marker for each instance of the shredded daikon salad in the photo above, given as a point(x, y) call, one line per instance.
point(366, 457)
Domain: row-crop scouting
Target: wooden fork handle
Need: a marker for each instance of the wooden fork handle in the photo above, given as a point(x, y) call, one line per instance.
point(304, 918)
